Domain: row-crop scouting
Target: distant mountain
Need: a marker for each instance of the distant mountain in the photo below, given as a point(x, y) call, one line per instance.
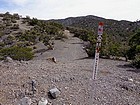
point(119, 30)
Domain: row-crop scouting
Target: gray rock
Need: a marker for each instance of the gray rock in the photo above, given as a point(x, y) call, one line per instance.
point(33, 86)
point(128, 86)
point(130, 80)
point(9, 59)
point(43, 101)
point(25, 101)
point(54, 93)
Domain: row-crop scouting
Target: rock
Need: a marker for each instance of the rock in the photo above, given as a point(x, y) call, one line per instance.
point(130, 79)
point(25, 101)
point(9, 59)
point(53, 59)
point(137, 82)
point(128, 86)
point(33, 86)
point(43, 101)
point(66, 87)
point(72, 78)
point(54, 93)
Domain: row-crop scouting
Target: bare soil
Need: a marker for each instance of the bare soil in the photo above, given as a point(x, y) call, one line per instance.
point(117, 83)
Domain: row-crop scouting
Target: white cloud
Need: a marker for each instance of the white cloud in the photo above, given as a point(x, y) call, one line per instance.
point(17, 2)
point(20, 2)
point(47, 9)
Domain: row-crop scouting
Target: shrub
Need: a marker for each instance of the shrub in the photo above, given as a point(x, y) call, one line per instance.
point(28, 17)
point(1, 34)
point(85, 35)
point(16, 16)
point(1, 45)
point(6, 18)
point(8, 23)
point(13, 21)
point(114, 49)
point(9, 40)
point(134, 43)
point(136, 61)
point(52, 30)
point(60, 36)
point(15, 26)
point(33, 22)
point(46, 40)
point(134, 52)
point(91, 51)
point(58, 25)
point(29, 36)
point(135, 40)
point(138, 48)
point(23, 44)
point(34, 47)
point(17, 53)
point(131, 53)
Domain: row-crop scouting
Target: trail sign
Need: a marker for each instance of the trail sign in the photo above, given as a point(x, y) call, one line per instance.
point(100, 29)
point(97, 50)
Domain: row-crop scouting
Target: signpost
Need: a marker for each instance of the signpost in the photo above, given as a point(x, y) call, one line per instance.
point(97, 50)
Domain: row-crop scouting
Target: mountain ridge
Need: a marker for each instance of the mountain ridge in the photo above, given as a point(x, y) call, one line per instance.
point(123, 28)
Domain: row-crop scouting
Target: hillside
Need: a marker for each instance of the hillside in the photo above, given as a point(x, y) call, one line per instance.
point(16, 31)
point(118, 30)
point(117, 82)
point(29, 36)
point(36, 56)
point(115, 38)
point(22, 35)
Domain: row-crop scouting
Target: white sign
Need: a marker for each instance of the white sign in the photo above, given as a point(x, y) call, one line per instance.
point(98, 46)
point(96, 61)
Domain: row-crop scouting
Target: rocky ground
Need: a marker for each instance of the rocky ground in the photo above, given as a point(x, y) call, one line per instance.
point(117, 83)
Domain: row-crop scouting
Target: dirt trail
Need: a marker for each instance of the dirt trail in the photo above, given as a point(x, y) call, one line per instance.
point(23, 26)
point(64, 51)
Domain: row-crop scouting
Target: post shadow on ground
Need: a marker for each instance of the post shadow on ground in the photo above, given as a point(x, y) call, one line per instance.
point(77, 43)
point(85, 58)
point(91, 57)
point(134, 70)
point(125, 66)
point(131, 68)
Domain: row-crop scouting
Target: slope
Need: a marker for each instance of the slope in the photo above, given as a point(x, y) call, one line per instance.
point(117, 83)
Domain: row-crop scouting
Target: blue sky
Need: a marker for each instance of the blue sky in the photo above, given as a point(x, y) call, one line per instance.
point(55, 9)
point(5, 5)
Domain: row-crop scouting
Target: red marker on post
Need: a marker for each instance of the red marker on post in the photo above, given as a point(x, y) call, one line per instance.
point(100, 29)
point(98, 45)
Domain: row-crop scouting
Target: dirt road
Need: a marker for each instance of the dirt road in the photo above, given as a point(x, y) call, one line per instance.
point(65, 50)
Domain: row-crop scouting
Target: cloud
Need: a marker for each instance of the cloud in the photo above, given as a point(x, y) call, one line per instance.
point(20, 2)
point(17, 2)
point(48, 9)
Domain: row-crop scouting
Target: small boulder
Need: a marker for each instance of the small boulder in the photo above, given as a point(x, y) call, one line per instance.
point(9, 59)
point(25, 101)
point(130, 79)
point(43, 101)
point(54, 93)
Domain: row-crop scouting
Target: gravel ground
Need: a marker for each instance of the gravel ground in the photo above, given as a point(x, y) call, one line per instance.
point(116, 83)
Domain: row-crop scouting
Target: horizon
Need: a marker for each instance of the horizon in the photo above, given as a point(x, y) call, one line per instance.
point(52, 9)
point(24, 16)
